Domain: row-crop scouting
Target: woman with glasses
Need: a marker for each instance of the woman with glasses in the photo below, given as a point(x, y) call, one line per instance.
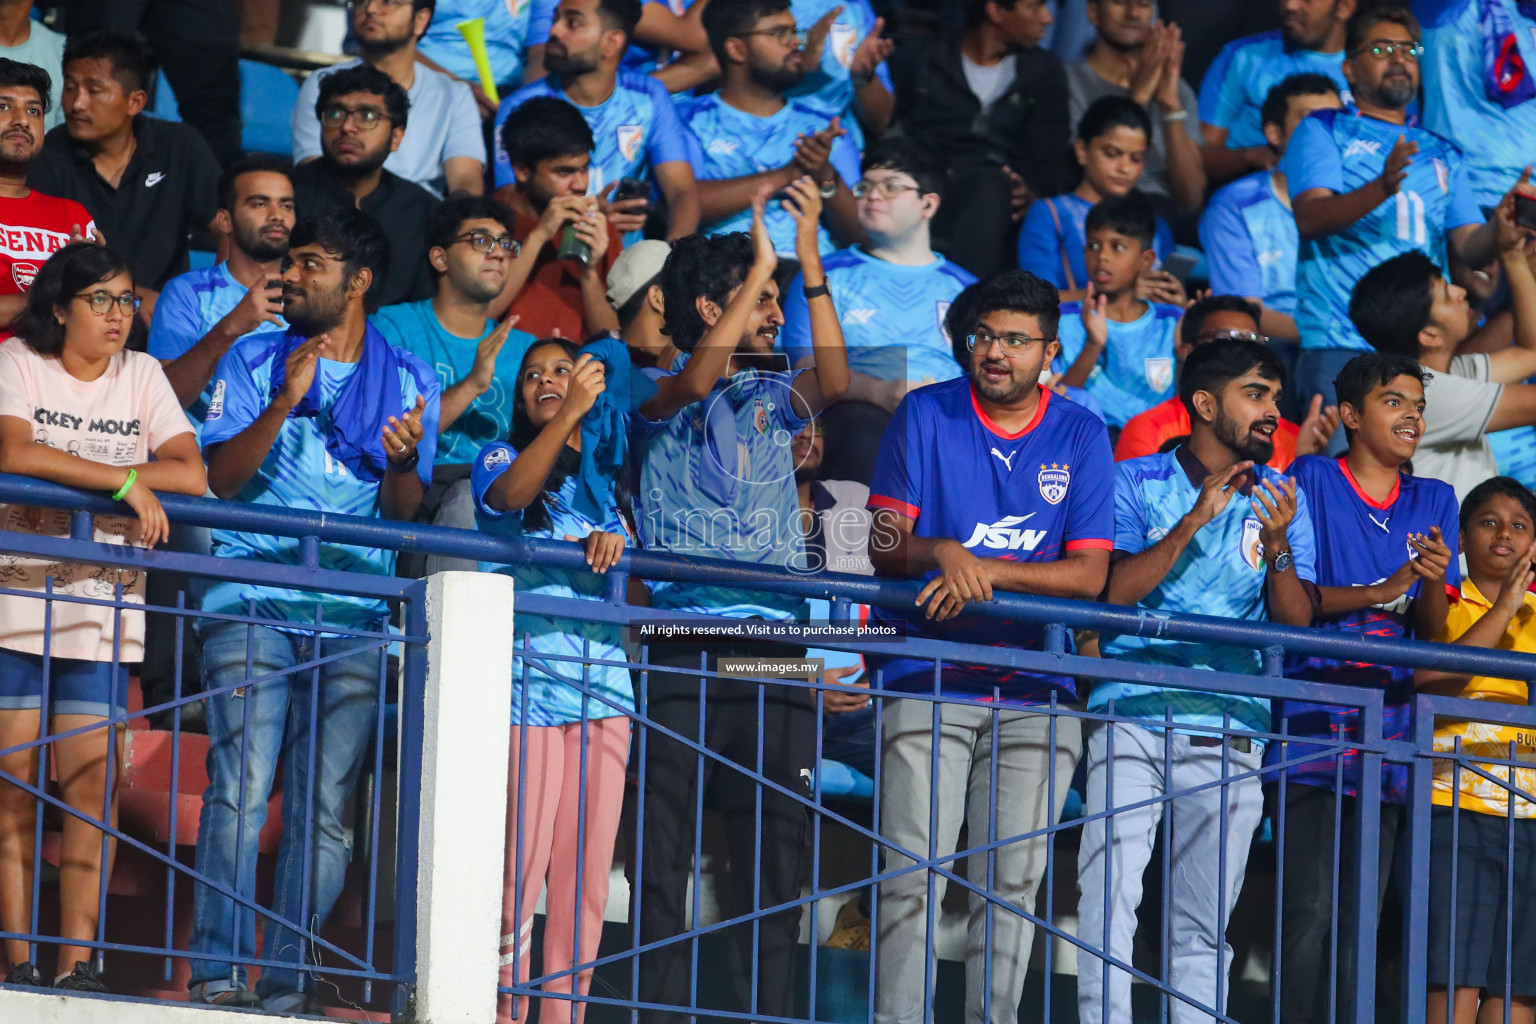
point(76, 408)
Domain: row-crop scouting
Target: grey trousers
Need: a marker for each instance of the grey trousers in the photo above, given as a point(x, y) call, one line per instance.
point(1025, 760)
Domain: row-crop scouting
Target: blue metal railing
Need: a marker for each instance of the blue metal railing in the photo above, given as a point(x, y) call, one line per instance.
point(1273, 642)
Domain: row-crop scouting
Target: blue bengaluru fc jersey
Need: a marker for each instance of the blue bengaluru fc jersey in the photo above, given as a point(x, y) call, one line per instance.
point(1042, 246)
point(1340, 150)
point(1233, 91)
point(731, 143)
point(1455, 67)
point(634, 129)
point(1221, 572)
point(414, 327)
point(1361, 542)
point(555, 688)
point(188, 308)
point(1250, 242)
point(299, 472)
point(1027, 497)
point(1136, 369)
point(700, 494)
point(892, 315)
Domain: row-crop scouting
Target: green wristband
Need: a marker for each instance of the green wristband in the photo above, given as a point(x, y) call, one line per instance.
point(133, 475)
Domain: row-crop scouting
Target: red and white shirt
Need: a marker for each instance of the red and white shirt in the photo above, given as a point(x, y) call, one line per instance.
point(31, 230)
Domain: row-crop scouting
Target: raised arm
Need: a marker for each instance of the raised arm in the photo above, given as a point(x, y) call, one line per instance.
point(1321, 212)
point(190, 372)
point(516, 489)
point(825, 384)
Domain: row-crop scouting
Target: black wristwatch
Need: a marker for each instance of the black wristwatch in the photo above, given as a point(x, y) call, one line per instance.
point(410, 465)
point(1282, 562)
point(818, 291)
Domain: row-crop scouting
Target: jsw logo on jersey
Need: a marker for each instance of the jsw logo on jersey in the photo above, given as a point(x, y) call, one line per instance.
point(1362, 147)
point(1005, 535)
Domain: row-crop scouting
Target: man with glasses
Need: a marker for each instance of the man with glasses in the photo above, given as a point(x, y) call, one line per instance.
point(1221, 318)
point(749, 134)
point(363, 115)
point(984, 483)
point(892, 297)
point(1366, 185)
point(443, 149)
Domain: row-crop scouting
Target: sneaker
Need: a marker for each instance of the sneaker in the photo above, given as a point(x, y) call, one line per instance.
point(84, 978)
point(24, 974)
point(292, 1004)
point(237, 998)
point(851, 929)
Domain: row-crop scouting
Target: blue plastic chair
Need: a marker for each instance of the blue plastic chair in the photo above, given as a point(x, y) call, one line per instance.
point(267, 98)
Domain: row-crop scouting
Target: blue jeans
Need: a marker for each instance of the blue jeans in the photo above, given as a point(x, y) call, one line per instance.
point(311, 867)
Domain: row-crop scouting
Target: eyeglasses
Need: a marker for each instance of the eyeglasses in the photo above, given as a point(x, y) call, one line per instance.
point(101, 302)
point(1232, 335)
point(1385, 48)
point(784, 35)
point(1013, 344)
point(481, 242)
point(886, 188)
point(364, 117)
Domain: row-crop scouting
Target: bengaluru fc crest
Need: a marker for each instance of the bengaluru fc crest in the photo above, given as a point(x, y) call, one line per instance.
point(1054, 482)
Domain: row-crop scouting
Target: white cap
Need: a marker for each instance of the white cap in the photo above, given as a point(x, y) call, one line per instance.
point(636, 267)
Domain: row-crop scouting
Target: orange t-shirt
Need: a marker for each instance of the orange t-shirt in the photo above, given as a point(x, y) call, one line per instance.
point(1147, 432)
point(552, 296)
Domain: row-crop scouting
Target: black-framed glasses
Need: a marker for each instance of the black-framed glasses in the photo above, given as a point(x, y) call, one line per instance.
point(364, 117)
point(100, 302)
point(886, 188)
point(1232, 335)
point(1013, 344)
point(482, 242)
point(784, 35)
point(1379, 48)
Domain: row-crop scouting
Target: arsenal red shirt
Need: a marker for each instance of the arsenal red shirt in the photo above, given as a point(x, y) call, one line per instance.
point(31, 230)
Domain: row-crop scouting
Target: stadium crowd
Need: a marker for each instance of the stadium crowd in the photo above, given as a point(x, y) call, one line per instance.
point(758, 280)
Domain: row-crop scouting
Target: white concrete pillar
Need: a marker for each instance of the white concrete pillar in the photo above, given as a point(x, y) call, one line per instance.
point(463, 795)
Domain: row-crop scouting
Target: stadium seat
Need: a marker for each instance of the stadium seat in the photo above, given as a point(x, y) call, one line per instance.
point(267, 98)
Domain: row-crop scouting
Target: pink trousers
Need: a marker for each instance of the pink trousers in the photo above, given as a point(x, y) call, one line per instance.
point(545, 851)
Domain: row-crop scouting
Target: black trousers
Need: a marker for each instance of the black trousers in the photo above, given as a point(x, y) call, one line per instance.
point(1306, 984)
point(670, 778)
point(197, 43)
point(852, 432)
point(973, 227)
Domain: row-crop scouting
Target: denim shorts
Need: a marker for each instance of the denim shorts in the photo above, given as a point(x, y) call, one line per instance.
point(74, 687)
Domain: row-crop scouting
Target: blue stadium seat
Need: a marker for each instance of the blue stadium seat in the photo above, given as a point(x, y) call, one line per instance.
point(267, 98)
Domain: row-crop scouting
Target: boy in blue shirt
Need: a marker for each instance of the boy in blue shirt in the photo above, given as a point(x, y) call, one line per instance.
point(326, 416)
point(1204, 529)
point(1367, 185)
point(634, 121)
point(1248, 230)
point(750, 133)
point(1386, 554)
point(1114, 345)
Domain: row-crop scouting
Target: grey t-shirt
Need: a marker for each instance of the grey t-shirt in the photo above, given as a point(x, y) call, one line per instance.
point(1084, 85)
point(1457, 408)
point(988, 83)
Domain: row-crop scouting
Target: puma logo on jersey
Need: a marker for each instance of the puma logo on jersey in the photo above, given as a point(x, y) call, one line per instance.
point(1005, 535)
point(1362, 147)
point(1006, 460)
point(859, 317)
point(1383, 524)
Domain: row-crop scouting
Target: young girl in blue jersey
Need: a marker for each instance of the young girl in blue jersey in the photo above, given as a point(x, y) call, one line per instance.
point(535, 485)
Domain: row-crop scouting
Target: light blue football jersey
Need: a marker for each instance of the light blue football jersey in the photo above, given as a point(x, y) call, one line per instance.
point(1221, 572)
point(189, 306)
point(554, 688)
point(828, 87)
point(731, 143)
point(511, 26)
point(1250, 242)
point(299, 472)
point(1136, 369)
point(892, 315)
point(1340, 150)
point(1233, 91)
point(700, 494)
point(1515, 452)
point(1499, 141)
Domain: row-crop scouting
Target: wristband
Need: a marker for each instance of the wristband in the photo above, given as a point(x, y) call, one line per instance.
point(1175, 115)
point(818, 291)
point(133, 476)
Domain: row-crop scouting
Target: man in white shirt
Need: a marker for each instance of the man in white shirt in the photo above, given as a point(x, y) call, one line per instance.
point(443, 149)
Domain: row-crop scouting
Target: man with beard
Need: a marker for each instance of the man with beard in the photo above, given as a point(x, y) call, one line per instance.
point(203, 312)
point(325, 416)
point(34, 225)
point(443, 149)
point(750, 135)
point(1205, 529)
point(634, 121)
point(987, 482)
point(717, 479)
point(1366, 185)
point(363, 116)
point(148, 183)
point(1310, 40)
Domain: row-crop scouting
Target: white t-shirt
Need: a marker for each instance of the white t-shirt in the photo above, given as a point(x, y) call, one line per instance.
point(988, 83)
point(119, 418)
point(1457, 408)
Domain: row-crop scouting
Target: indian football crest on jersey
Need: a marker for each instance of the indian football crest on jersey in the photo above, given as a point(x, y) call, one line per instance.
point(940, 311)
point(629, 138)
point(23, 274)
point(496, 457)
point(1252, 550)
point(515, 7)
point(1054, 482)
point(845, 42)
point(1442, 174)
point(1159, 372)
point(759, 416)
point(216, 403)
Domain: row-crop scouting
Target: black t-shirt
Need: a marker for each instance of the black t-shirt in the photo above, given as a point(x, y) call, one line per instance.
point(168, 189)
point(400, 207)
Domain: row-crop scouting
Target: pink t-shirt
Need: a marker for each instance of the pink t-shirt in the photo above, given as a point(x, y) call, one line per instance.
point(119, 418)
